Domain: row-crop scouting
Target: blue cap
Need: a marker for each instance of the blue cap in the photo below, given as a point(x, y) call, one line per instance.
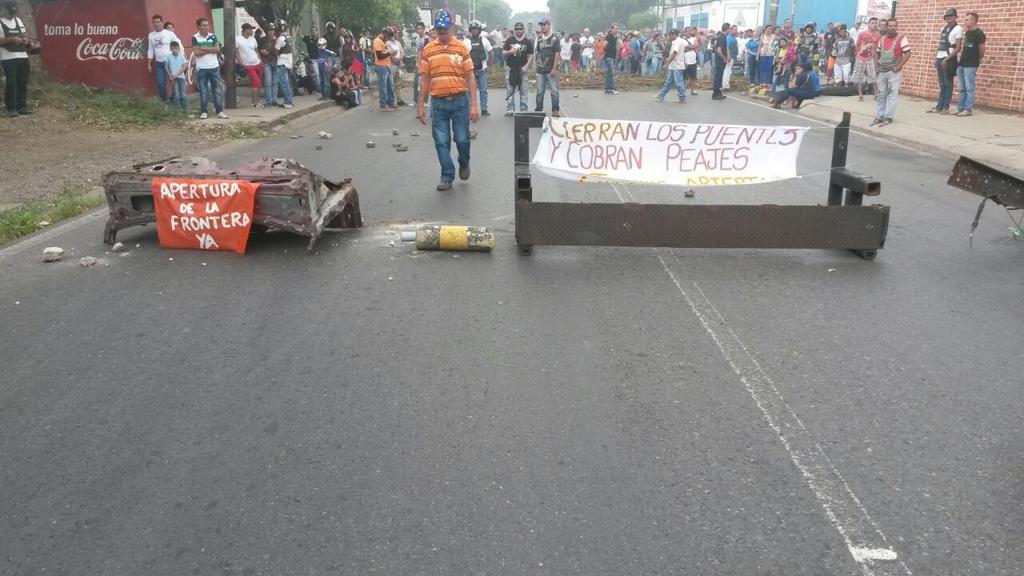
point(443, 20)
point(544, 20)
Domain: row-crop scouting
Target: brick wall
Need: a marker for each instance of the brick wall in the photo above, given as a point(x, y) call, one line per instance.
point(1001, 76)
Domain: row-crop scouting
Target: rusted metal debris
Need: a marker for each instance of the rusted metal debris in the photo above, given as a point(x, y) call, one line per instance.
point(291, 197)
point(998, 186)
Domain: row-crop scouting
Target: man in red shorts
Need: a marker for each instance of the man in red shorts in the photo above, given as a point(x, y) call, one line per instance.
point(247, 56)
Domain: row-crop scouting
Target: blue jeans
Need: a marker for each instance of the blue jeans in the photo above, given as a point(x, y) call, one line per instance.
point(544, 80)
point(677, 77)
point(161, 81)
point(719, 73)
point(385, 85)
point(609, 74)
point(524, 94)
point(481, 86)
point(751, 69)
point(945, 85)
point(318, 74)
point(268, 83)
point(450, 117)
point(281, 85)
point(325, 81)
point(209, 83)
point(180, 96)
point(968, 77)
point(888, 93)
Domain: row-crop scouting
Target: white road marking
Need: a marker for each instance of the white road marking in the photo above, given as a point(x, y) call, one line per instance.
point(865, 541)
point(58, 230)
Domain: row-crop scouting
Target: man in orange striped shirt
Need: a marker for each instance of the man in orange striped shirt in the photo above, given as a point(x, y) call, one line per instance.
point(446, 74)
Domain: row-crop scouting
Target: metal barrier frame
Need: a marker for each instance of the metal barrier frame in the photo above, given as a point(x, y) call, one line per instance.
point(844, 223)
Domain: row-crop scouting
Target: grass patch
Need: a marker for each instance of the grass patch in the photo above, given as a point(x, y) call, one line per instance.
point(23, 220)
point(108, 109)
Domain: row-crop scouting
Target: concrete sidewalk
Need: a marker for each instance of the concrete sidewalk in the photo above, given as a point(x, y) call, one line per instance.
point(989, 136)
point(270, 116)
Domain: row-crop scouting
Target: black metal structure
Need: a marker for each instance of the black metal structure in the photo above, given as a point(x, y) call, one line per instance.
point(844, 223)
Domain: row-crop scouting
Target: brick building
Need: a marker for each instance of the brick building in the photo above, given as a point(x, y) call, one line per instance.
point(1001, 76)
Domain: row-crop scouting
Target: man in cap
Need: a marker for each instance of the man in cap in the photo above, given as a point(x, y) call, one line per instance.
point(447, 75)
point(950, 43)
point(518, 52)
point(248, 58)
point(479, 47)
point(548, 52)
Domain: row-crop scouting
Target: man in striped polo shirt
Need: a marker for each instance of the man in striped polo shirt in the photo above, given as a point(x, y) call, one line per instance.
point(446, 71)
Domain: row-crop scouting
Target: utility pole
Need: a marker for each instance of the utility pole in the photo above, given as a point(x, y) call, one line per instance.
point(792, 12)
point(230, 25)
point(773, 14)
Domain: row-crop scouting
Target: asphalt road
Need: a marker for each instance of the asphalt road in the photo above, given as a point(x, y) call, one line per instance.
point(373, 410)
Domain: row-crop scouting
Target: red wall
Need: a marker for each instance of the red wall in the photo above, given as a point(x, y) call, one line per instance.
point(1001, 76)
point(103, 42)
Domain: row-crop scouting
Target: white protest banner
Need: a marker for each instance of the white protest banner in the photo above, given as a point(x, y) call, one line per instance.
point(663, 153)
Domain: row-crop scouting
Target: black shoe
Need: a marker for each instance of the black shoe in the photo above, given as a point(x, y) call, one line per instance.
point(444, 184)
point(538, 109)
point(23, 111)
point(485, 112)
point(464, 172)
point(718, 97)
point(12, 113)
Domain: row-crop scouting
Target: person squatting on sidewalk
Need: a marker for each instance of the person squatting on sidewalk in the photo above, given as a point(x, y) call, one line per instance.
point(447, 75)
point(893, 53)
point(518, 52)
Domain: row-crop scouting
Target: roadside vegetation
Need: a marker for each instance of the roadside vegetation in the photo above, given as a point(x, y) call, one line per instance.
point(29, 217)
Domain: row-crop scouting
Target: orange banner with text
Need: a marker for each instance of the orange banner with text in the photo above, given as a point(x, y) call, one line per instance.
point(193, 214)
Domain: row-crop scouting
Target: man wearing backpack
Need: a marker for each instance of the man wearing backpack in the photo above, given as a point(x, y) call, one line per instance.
point(479, 47)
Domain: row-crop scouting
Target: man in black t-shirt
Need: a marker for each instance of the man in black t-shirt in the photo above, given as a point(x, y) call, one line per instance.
point(722, 59)
point(971, 55)
point(518, 53)
point(611, 50)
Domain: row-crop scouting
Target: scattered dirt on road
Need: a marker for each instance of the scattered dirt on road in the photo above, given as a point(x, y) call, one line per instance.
point(45, 152)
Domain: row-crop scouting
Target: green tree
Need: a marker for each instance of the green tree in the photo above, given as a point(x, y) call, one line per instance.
point(643, 20)
point(268, 11)
point(574, 15)
point(490, 12)
point(374, 14)
point(525, 17)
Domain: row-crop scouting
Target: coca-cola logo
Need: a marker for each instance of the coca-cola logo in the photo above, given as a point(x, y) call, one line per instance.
point(120, 49)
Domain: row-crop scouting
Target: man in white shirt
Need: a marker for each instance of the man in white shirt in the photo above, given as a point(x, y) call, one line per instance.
point(206, 49)
point(497, 39)
point(690, 59)
point(676, 68)
point(14, 47)
point(158, 51)
point(587, 54)
point(247, 56)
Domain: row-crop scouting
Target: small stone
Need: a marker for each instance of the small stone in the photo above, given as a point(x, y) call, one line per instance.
point(396, 144)
point(117, 247)
point(414, 133)
point(472, 134)
point(87, 261)
point(203, 264)
point(831, 269)
point(125, 254)
point(42, 223)
point(391, 278)
point(402, 148)
point(691, 193)
point(170, 259)
point(138, 245)
point(319, 147)
point(371, 144)
point(395, 132)
point(391, 243)
point(296, 136)
point(321, 134)
point(52, 254)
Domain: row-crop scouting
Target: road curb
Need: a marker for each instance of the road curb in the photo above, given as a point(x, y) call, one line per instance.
point(298, 113)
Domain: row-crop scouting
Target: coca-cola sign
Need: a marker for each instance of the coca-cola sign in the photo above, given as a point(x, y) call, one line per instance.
point(119, 49)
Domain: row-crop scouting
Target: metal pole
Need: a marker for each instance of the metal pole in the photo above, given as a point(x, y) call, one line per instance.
point(773, 14)
point(230, 27)
point(792, 12)
point(840, 146)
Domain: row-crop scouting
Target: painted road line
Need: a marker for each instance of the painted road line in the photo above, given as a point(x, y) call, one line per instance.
point(867, 544)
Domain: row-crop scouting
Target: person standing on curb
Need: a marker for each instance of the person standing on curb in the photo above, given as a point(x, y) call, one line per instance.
point(283, 76)
point(972, 53)
point(518, 51)
point(721, 61)
point(479, 47)
point(159, 42)
point(248, 58)
point(549, 51)
point(676, 68)
point(447, 75)
point(611, 50)
point(206, 48)
point(14, 45)
point(893, 53)
point(864, 70)
point(950, 38)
